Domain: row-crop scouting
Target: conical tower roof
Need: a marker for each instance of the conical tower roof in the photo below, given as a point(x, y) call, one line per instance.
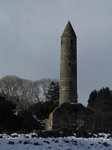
point(69, 31)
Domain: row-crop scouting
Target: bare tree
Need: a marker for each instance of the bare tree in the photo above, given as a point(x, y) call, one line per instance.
point(9, 85)
point(23, 89)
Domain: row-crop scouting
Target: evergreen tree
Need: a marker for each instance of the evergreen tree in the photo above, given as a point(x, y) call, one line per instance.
point(53, 92)
point(101, 100)
point(92, 99)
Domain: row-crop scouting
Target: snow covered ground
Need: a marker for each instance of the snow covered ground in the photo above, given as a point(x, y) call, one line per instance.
point(32, 142)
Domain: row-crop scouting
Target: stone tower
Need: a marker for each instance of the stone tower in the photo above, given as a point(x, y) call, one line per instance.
point(64, 115)
point(68, 66)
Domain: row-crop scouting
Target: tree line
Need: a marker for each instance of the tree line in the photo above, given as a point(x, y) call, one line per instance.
point(25, 92)
point(101, 100)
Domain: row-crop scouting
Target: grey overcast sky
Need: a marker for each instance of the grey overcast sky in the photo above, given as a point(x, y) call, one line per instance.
point(30, 32)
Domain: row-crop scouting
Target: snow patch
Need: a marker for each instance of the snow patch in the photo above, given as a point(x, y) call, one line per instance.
point(31, 141)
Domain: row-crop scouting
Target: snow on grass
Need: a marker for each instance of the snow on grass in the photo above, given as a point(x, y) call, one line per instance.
point(32, 142)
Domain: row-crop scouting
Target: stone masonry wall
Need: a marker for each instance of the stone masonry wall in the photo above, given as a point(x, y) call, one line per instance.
point(69, 115)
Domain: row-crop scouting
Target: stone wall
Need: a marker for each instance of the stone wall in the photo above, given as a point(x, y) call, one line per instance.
point(69, 116)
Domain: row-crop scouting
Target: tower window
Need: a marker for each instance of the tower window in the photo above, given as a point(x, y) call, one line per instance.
point(61, 42)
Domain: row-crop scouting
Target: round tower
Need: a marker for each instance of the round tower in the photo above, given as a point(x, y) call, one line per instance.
point(68, 66)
